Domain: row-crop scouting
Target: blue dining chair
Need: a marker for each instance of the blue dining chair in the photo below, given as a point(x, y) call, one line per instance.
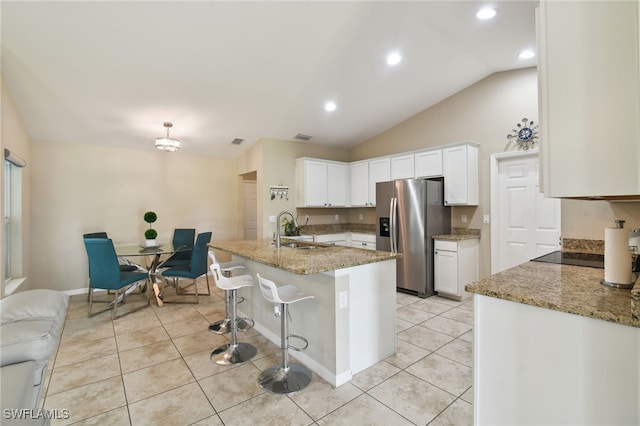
point(126, 266)
point(181, 237)
point(196, 268)
point(105, 273)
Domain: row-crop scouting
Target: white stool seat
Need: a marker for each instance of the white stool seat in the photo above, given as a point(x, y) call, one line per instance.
point(286, 294)
point(229, 283)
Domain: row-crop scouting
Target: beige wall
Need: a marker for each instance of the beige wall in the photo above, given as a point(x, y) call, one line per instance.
point(79, 188)
point(14, 137)
point(277, 167)
point(485, 113)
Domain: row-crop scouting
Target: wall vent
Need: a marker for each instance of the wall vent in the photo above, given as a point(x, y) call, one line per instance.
point(237, 141)
point(302, 137)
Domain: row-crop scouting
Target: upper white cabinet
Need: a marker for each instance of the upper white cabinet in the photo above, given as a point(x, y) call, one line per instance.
point(359, 184)
point(321, 183)
point(363, 178)
point(589, 97)
point(428, 163)
point(402, 167)
point(460, 170)
point(379, 171)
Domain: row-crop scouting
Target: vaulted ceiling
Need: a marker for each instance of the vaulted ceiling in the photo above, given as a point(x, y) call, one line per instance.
point(112, 72)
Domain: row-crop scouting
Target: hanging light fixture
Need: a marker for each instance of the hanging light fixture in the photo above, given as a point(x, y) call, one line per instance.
point(167, 143)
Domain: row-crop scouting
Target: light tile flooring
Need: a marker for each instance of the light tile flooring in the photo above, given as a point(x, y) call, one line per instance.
point(151, 366)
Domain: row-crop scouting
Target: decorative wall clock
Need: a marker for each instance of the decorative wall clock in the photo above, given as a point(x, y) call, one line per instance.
point(525, 135)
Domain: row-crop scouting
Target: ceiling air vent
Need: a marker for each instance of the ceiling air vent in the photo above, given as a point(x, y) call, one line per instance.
point(302, 137)
point(237, 141)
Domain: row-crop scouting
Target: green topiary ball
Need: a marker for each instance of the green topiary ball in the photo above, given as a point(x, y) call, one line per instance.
point(150, 234)
point(150, 217)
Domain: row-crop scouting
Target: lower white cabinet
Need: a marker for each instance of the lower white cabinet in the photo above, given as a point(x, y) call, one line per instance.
point(455, 265)
point(363, 241)
point(336, 239)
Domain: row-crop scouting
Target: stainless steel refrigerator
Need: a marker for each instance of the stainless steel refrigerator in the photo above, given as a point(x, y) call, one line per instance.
point(409, 213)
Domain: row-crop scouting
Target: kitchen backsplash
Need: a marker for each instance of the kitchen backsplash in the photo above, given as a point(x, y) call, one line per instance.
point(339, 227)
point(582, 246)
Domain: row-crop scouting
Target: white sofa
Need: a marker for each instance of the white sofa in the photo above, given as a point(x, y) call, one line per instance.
point(31, 325)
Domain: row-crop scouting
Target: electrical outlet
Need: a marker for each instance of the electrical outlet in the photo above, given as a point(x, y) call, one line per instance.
point(485, 218)
point(360, 216)
point(272, 219)
point(463, 218)
point(336, 217)
point(343, 300)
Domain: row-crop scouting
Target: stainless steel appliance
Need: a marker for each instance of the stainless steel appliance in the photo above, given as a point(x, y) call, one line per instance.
point(409, 213)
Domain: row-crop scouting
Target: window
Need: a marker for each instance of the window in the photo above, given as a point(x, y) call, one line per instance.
point(12, 222)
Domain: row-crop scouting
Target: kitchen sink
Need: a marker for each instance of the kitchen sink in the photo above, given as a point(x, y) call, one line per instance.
point(300, 246)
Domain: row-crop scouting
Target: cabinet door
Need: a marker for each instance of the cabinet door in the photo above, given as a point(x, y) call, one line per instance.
point(402, 167)
point(445, 270)
point(315, 183)
point(589, 103)
point(336, 185)
point(460, 167)
point(359, 183)
point(379, 171)
point(428, 164)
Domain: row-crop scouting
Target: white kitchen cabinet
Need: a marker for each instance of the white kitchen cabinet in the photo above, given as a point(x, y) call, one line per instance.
point(379, 171)
point(460, 170)
point(339, 239)
point(455, 265)
point(363, 241)
point(402, 167)
point(428, 163)
point(589, 98)
point(359, 184)
point(321, 183)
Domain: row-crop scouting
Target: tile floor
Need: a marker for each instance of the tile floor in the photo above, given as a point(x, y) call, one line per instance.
point(151, 366)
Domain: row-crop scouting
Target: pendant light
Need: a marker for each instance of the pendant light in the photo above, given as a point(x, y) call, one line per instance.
point(167, 143)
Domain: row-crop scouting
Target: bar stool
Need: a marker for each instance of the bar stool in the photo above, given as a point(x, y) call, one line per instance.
point(222, 326)
point(284, 378)
point(234, 352)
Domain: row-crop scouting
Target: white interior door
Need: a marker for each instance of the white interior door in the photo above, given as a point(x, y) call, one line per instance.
point(250, 210)
point(527, 224)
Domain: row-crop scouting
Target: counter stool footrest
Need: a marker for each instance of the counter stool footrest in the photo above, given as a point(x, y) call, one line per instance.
point(295, 348)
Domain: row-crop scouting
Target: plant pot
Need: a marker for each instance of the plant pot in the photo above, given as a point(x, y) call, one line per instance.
point(151, 243)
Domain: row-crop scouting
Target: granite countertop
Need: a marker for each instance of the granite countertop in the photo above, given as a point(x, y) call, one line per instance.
point(299, 261)
point(565, 288)
point(459, 234)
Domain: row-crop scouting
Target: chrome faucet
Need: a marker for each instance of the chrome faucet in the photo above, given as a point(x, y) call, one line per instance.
point(295, 222)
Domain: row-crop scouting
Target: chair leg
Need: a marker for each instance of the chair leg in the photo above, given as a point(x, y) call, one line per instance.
point(206, 276)
point(195, 285)
point(90, 297)
point(114, 312)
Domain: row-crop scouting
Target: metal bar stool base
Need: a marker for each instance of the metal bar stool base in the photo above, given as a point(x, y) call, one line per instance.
point(223, 327)
point(278, 380)
point(229, 354)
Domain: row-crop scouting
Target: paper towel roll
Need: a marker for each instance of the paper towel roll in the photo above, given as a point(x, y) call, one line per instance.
point(617, 258)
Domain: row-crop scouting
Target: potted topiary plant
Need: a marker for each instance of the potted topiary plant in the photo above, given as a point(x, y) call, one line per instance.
point(150, 234)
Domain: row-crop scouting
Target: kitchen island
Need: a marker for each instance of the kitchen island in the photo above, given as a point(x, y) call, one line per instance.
point(350, 323)
point(554, 346)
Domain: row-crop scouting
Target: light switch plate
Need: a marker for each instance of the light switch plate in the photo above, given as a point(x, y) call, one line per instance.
point(272, 219)
point(485, 218)
point(463, 218)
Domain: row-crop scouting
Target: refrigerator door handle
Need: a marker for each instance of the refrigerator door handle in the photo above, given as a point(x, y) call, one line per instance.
point(392, 225)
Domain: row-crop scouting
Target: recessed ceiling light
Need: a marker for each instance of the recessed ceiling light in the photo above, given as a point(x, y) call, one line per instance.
point(486, 13)
point(330, 106)
point(394, 58)
point(526, 54)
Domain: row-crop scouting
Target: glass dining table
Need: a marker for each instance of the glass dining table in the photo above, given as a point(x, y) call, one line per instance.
point(156, 252)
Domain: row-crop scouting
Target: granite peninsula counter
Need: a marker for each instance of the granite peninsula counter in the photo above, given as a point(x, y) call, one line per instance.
point(350, 323)
point(554, 346)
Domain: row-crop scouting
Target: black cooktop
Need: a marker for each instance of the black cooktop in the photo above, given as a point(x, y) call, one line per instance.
point(579, 259)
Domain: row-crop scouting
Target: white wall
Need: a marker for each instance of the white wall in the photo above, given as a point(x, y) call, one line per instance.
point(80, 188)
